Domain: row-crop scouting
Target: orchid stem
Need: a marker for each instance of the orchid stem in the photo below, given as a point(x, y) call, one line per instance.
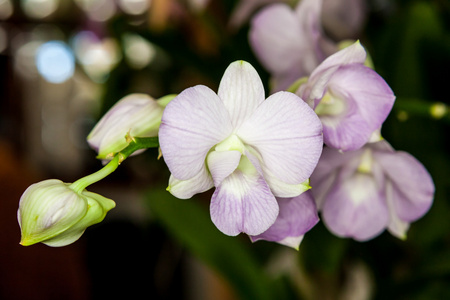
point(418, 107)
point(134, 145)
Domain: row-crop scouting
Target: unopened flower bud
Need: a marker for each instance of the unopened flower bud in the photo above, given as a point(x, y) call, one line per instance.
point(51, 212)
point(136, 115)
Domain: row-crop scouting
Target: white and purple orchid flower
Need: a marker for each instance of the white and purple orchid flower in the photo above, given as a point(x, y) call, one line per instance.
point(290, 44)
point(352, 100)
point(297, 216)
point(251, 149)
point(360, 193)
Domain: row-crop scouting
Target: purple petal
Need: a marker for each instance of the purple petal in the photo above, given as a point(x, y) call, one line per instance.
point(412, 186)
point(309, 13)
point(192, 124)
point(241, 91)
point(287, 134)
point(317, 83)
point(356, 208)
point(297, 216)
point(326, 172)
point(396, 227)
point(268, 28)
point(243, 203)
point(368, 99)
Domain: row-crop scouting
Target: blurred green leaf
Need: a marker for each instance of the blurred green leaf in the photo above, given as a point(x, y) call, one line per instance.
point(191, 226)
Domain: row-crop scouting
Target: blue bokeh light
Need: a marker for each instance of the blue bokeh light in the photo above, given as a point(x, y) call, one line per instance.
point(55, 61)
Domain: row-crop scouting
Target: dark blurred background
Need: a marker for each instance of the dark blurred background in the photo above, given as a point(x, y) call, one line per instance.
point(64, 63)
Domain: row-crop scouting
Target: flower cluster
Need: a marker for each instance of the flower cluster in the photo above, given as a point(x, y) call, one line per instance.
point(361, 185)
point(319, 130)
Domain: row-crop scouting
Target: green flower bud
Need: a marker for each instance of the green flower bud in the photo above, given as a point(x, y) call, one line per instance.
point(52, 213)
point(136, 115)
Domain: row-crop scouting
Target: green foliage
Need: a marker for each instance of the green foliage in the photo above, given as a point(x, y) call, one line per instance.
point(190, 224)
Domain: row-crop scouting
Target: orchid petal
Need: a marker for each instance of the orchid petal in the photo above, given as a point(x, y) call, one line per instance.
point(356, 208)
point(396, 227)
point(316, 86)
point(287, 134)
point(192, 124)
point(268, 28)
point(412, 185)
point(368, 99)
point(185, 189)
point(243, 203)
point(241, 91)
point(325, 174)
point(285, 190)
point(309, 13)
point(297, 216)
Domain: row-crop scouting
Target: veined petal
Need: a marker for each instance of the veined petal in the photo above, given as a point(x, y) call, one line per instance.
point(241, 91)
point(297, 216)
point(268, 28)
point(356, 208)
point(185, 189)
point(412, 185)
point(243, 203)
point(316, 86)
point(222, 163)
point(191, 125)
point(287, 134)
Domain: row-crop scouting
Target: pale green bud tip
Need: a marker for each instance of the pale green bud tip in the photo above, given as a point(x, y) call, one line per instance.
point(52, 213)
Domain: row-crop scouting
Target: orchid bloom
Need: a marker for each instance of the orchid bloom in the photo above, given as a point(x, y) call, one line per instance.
point(351, 100)
point(249, 148)
point(360, 193)
point(297, 216)
point(134, 115)
point(290, 43)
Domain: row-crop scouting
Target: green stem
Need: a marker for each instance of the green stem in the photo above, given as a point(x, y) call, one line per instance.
point(134, 145)
point(418, 107)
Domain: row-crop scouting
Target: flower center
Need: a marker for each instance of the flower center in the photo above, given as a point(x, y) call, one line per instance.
point(330, 105)
point(366, 163)
point(231, 143)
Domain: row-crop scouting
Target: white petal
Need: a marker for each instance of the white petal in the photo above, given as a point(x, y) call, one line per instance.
point(241, 91)
point(137, 114)
point(222, 163)
point(185, 189)
point(287, 134)
point(192, 124)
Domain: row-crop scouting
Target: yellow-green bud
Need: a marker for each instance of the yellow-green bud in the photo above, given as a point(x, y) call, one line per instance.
point(52, 213)
point(136, 115)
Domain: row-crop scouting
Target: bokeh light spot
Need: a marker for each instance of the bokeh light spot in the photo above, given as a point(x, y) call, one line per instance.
point(55, 61)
